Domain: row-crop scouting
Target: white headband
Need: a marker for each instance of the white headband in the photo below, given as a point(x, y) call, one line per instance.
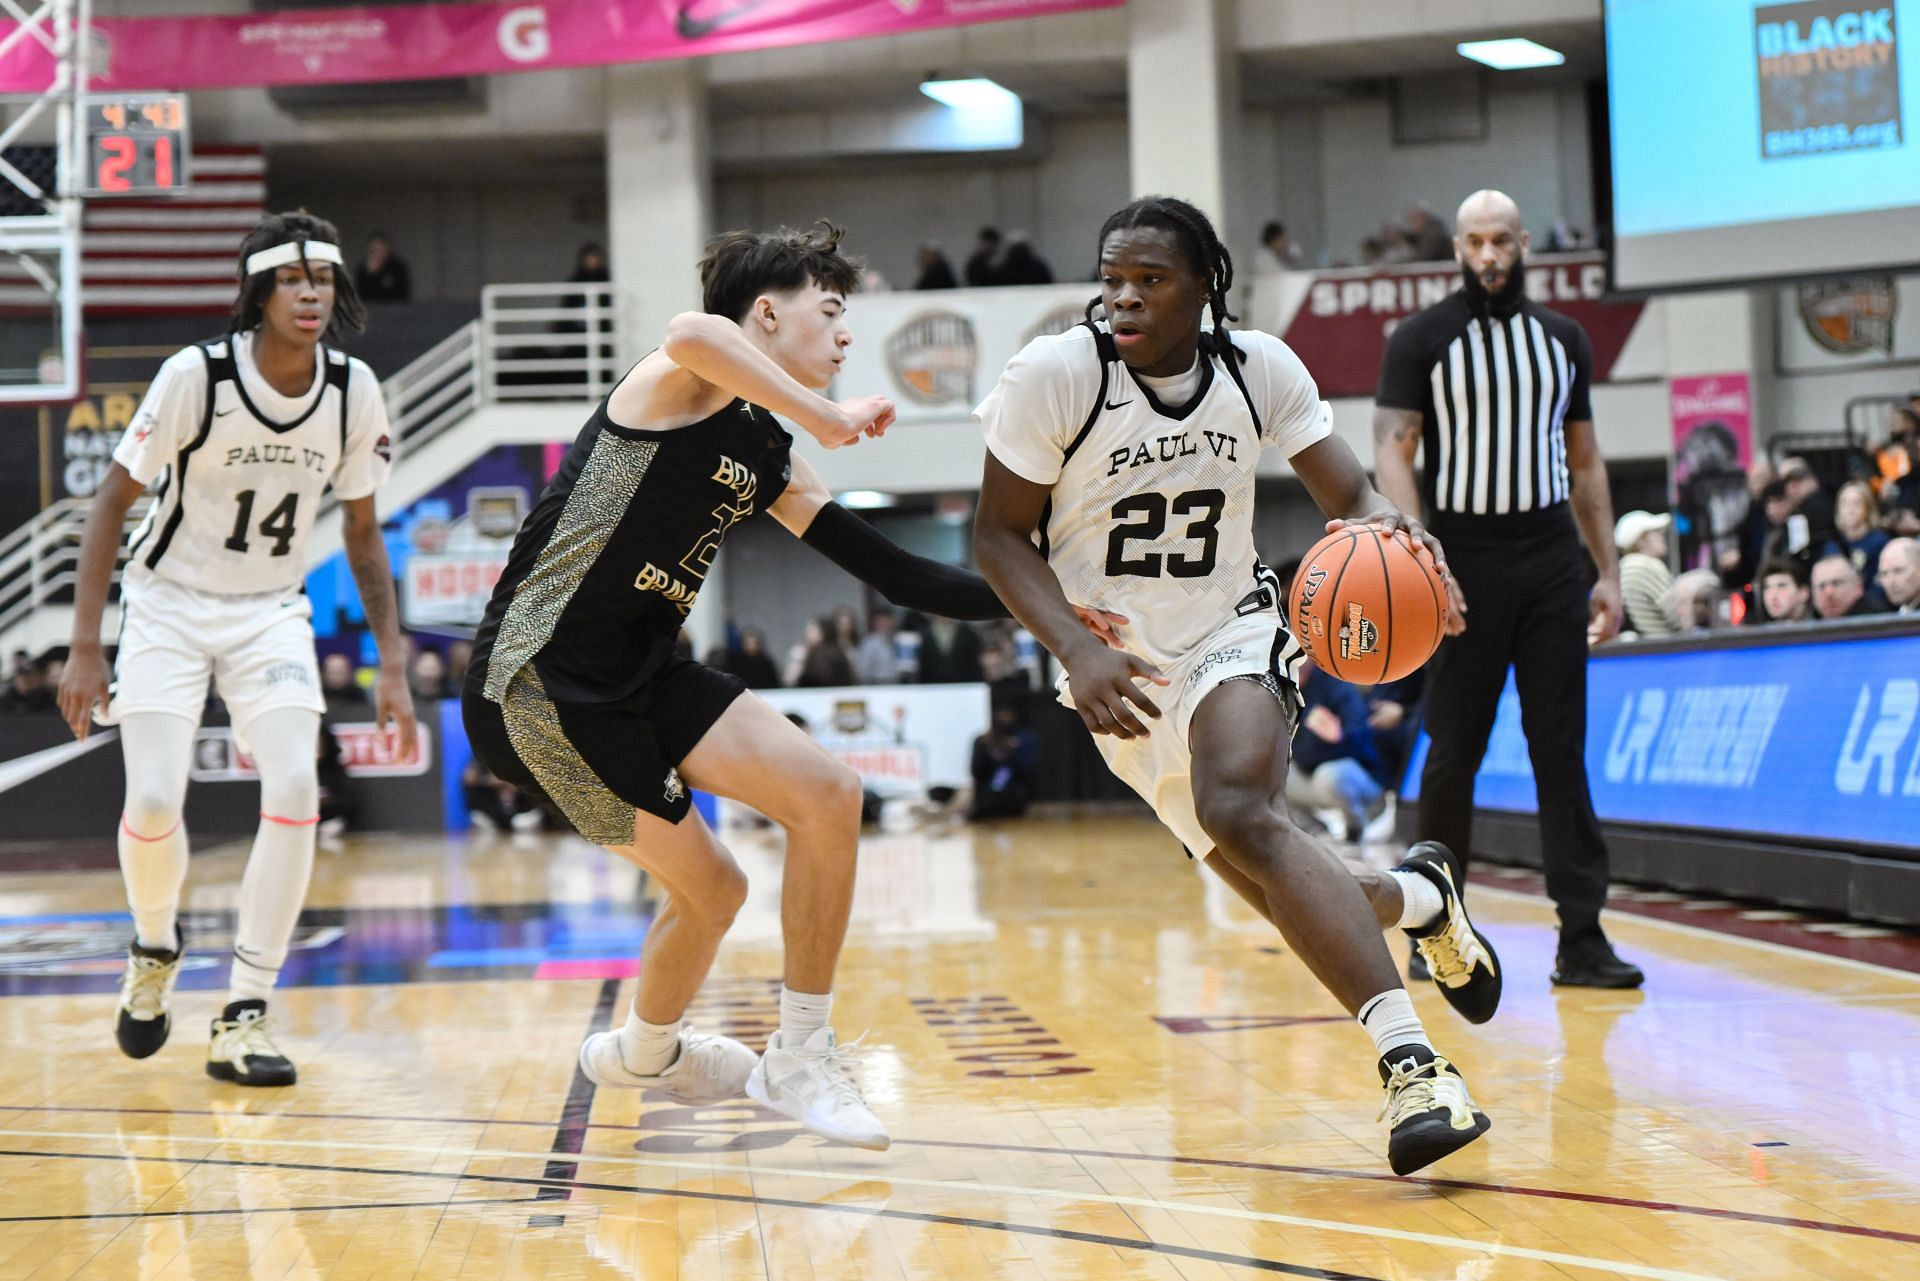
point(291, 252)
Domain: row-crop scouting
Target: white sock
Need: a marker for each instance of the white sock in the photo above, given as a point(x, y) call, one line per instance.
point(157, 751)
point(1420, 900)
point(154, 868)
point(648, 1049)
point(1389, 1019)
point(802, 1014)
point(275, 884)
point(251, 982)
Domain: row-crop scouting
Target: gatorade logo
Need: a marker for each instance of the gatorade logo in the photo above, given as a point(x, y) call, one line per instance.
point(523, 34)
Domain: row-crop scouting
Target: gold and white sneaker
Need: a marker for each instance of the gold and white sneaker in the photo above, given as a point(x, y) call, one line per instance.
point(141, 1020)
point(1427, 1109)
point(1459, 958)
point(809, 1083)
point(708, 1069)
point(241, 1050)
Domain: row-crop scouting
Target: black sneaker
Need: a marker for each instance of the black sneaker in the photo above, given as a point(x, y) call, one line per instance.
point(1592, 962)
point(1457, 956)
point(141, 1020)
point(242, 1052)
point(1427, 1107)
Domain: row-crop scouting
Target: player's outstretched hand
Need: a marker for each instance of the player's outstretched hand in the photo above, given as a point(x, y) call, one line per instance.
point(393, 705)
point(861, 416)
point(1103, 623)
point(1104, 692)
point(82, 687)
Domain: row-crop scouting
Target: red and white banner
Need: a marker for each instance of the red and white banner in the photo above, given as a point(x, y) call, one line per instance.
point(1338, 321)
point(349, 45)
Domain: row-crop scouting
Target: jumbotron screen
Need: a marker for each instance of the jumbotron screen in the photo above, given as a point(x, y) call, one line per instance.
point(1755, 140)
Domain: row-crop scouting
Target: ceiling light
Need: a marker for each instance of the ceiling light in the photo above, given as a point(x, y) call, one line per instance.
point(976, 94)
point(857, 499)
point(1509, 55)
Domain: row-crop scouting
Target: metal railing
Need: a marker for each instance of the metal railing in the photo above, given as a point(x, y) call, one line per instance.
point(531, 343)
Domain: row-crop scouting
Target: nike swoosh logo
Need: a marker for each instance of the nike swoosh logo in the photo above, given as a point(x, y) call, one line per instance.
point(24, 769)
point(1121, 405)
point(222, 413)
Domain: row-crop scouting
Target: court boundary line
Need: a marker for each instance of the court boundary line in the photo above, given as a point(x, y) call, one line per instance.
point(571, 1134)
point(1159, 1158)
point(747, 1168)
point(1701, 931)
point(736, 1198)
point(265, 1209)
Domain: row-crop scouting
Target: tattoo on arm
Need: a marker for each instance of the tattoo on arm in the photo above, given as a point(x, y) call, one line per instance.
point(1400, 426)
point(367, 558)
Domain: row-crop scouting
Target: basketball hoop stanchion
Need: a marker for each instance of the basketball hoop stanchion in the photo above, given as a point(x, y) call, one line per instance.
point(44, 242)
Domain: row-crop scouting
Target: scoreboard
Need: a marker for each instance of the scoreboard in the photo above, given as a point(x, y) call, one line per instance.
point(136, 144)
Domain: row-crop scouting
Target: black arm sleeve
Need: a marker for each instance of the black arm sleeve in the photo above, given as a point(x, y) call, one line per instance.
point(909, 581)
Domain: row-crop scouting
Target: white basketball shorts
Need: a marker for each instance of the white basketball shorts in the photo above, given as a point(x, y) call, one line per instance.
point(1160, 766)
point(256, 649)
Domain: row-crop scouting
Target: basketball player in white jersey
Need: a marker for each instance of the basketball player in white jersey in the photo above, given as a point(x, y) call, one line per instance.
point(244, 433)
point(1120, 477)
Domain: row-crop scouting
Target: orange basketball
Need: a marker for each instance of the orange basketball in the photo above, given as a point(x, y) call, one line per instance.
point(1367, 609)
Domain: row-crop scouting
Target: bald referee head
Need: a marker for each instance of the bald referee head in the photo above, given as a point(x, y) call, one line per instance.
point(1489, 239)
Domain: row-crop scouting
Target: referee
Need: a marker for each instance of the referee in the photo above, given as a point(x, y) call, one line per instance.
point(1495, 387)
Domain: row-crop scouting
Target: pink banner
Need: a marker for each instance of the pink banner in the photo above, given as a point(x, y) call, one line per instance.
point(1712, 444)
point(333, 46)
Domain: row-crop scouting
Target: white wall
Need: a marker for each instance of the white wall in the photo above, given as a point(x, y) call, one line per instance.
point(1340, 176)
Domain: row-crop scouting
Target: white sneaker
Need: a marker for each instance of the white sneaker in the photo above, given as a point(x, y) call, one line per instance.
point(708, 1069)
point(809, 1083)
point(141, 1020)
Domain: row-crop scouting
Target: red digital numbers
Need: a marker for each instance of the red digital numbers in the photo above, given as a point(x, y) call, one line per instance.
point(163, 162)
point(115, 164)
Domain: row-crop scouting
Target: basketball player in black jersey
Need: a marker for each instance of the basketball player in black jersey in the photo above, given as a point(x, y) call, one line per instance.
point(575, 695)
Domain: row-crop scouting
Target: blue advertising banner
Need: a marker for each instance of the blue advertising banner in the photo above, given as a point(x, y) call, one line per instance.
point(1818, 741)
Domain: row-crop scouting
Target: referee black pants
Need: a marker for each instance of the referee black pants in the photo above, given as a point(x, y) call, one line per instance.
point(1525, 581)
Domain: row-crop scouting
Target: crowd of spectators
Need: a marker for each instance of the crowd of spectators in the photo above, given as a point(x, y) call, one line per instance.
point(997, 259)
point(1804, 550)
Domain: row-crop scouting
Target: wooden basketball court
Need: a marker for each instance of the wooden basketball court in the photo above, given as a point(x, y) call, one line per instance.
point(1094, 1064)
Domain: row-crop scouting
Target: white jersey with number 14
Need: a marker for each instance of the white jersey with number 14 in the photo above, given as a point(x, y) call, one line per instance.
point(242, 468)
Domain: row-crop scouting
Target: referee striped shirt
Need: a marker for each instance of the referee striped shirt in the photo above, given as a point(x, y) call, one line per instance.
point(1495, 391)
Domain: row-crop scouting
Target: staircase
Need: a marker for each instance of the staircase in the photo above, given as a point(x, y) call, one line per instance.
point(525, 372)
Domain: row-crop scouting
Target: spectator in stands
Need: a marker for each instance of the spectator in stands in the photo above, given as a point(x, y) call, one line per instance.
point(382, 275)
point(339, 806)
point(1281, 251)
point(1785, 594)
point(1856, 529)
point(459, 655)
point(949, 653)
point(1838, 591)
point(1696, 600)
point(1334, 762)
point(27, 692)
point(1005, 760)
point(1428, 236)
point(1022, 265)
point(983, 264)
point(340, 685)
point(1899, 465)
point(751, 662)
point(1390, 717)
point(1900, 575)
point(1007, 682)
point(495, 805)
point(427, 675)
point(1784, 533)
point(875, 661)
point(935, 271)
point(1810, 501)
point(590, 265)
point(1645, 580)
point(822, 663)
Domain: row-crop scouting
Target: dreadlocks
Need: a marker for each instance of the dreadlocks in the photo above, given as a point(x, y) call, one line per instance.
point(349, 313)
point(1198, 242)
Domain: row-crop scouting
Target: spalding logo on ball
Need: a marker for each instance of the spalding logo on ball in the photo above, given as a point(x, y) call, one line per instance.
point(1379, 604)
